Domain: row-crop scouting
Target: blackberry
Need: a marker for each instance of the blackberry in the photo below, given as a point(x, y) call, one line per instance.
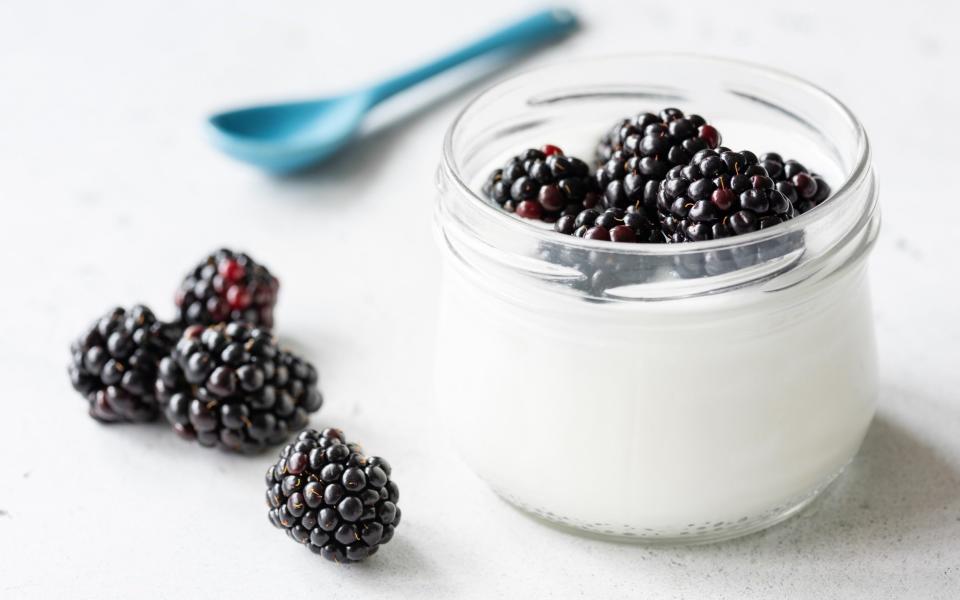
point(603, 271)
point(599, 272)
point(719, 194)
point(227, 286)
point(805, 190)
point(114, 363)
point(330, 497)
point(543, 184)
point(229, 385)
point(637, 154)
point(612, 224)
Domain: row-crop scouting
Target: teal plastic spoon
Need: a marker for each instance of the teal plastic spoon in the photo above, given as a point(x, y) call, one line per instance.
point(287, 137)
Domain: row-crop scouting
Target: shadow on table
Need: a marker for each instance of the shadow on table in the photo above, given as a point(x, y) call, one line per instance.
point(885, 529)
point(898, 490)
point(398, 563)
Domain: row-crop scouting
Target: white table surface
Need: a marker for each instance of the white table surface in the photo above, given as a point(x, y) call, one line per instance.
point(110, 193)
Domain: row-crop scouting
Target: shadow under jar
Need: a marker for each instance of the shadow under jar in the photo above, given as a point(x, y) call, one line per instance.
point(659, 392)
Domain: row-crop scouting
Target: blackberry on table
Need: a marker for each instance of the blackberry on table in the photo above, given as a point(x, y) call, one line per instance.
point(229, 385)
point(114, 363)
point(327, 495)
point(637, 154)
point(543, 184)
point(719, 194)
point(227, 286)
point(805, 190)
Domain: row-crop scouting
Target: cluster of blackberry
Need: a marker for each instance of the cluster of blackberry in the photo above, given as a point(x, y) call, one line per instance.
point(660, 178)
point(130, 366)
point(218, 376)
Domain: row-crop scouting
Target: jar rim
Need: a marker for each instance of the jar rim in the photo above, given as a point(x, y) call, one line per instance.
point(857, 174)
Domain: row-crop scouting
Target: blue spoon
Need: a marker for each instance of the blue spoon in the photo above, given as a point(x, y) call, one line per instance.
point(282, 138)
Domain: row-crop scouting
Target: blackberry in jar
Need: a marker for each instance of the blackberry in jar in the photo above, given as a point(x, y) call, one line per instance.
point(636, 155)
point(543, 184)
point(719, 194)
point(804, 189)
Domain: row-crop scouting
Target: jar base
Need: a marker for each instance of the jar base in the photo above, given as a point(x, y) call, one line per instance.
point(688, 535)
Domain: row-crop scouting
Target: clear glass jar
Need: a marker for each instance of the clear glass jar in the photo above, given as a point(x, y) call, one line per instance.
point(661, 392)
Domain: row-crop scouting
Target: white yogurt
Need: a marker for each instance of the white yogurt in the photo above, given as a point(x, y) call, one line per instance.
point(695, 417)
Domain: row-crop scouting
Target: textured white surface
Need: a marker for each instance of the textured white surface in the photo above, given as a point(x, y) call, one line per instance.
point(110, 193)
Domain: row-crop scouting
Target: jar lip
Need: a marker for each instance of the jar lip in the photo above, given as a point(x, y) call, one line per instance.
point(528, 228)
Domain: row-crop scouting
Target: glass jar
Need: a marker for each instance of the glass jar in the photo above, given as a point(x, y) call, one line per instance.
point(660, 392)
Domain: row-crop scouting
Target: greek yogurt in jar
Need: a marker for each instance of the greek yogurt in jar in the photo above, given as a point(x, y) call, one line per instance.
point(706, 389)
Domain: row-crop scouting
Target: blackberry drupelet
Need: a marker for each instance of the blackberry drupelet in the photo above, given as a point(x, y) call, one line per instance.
point(543, 184)
point(328, 496)
point(227, 286)
point(114, 364)
point(805, 190)
point(637, 154)
point(719, 194)
point(612, 224)
point(229, 385)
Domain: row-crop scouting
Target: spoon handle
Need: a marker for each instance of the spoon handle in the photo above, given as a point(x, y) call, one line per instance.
point(536, 28)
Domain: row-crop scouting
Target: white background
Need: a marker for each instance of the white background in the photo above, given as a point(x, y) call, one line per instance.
point(110, 193)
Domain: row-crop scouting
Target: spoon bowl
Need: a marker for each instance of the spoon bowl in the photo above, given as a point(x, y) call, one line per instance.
point(289, 136)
